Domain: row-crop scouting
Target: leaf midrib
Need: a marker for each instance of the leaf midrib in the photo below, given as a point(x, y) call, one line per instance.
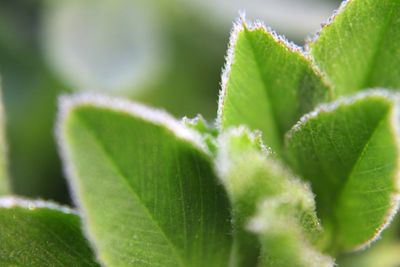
point(350, 173)
point(271, 108)
point(366, 82)
point(125, 180)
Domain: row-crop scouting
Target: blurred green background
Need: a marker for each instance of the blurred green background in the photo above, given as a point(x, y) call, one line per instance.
point(168, 54)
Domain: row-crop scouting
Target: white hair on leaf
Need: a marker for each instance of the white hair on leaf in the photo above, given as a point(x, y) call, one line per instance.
point(389, 96)
point(313, 39)
point(241, 25)
point(340, 102)
point(158, 117)
point(67, 104)
point(9, 202)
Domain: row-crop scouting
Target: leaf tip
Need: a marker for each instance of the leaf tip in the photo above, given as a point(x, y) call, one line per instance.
point(225, 139)
point(67, 104)
point(341, 101)
point(310, 40)
point(238, 27)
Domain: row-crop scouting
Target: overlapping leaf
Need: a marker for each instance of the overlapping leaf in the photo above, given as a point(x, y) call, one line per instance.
point(284, 206)
point(207, 132)
point(279, 225)
point(359, 47)
point(349, 151)
point(145, 185)
point(35, 233)
point(267, 84)
point(384, 253)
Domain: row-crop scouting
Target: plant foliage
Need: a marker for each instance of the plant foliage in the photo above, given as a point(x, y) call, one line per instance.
point(301, 169)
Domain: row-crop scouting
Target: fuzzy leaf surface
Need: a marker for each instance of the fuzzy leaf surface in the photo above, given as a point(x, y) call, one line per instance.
point(144, 183)
point(35, 233)
point(253, 180)
point(359, 48)
point(267, 84)
point(349, 151)
point(279, 224)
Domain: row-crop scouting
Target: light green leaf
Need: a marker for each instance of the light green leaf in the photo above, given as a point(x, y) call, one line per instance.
point(144, 183)
point(4, 182)
point(251, 178)
point(208, 133)
point(267, 84)
point(278, 225)
point(349, 151)
point(37, 233)
point(359, 47)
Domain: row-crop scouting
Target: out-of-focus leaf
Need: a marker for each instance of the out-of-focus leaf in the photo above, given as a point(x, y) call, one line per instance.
point(29, 86)
point(381, 255)
point(284, 242)
point(251, 178)
point(145, 185)
point(359, 47)
point(112, 46)
point(349, 151)
point(4, 182)
point(294, 18)
point(190, 83)
point(36, 233)
point(268, 84)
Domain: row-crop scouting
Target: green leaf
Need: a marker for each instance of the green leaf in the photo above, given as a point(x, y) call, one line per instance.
point(144, 184)
point(207, 132)
point(359, 47)
point(384, 253)
point(267, 84)
point(251, 178)
point(37, 233)
point(279, 227)
point(4, 182)
point(349, 151)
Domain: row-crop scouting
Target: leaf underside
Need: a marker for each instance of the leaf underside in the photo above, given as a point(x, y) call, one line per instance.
point(150, 197)
point(360, 48)
point(41, 236)
point(268, 84)
point(349, 152)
